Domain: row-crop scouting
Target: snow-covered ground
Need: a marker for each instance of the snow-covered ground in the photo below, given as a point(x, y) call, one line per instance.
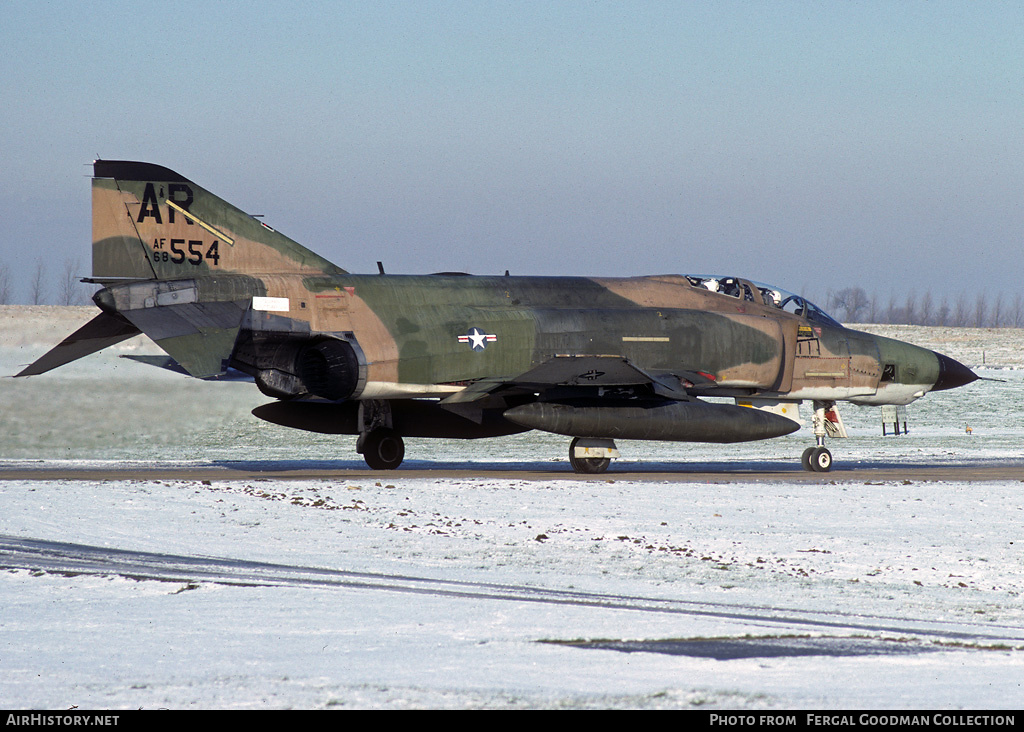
point(491, 592)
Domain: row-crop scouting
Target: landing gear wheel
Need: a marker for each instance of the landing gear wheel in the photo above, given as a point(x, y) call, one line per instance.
point(586, 465)
point(805, 459)
point(383, 449)
point(821, 460)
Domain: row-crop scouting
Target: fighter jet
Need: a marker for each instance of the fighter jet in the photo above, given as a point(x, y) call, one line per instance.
point(452, 355)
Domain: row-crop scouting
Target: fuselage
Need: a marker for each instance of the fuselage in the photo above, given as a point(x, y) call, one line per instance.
point(434, 334)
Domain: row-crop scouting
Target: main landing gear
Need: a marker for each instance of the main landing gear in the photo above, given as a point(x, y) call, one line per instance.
point(818, 459)
point(590, 455)
point(381, 447)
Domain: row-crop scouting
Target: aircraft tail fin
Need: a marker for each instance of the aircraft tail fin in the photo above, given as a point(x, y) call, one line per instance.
point(151, 223)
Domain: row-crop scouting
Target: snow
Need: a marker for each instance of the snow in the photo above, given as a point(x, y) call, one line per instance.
point(384, 591)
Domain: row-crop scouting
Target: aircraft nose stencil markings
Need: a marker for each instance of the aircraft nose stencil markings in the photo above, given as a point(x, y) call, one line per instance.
point(477, 339)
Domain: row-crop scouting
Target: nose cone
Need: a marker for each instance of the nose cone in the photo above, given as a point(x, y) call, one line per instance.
point(952, 374)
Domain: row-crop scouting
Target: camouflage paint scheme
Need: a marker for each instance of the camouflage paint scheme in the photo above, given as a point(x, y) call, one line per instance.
point(454, 355)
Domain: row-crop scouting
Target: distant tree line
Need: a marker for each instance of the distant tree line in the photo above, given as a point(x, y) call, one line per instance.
point(984, 309)
point(44, 286)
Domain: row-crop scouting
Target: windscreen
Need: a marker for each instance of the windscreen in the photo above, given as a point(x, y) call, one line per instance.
point(771, 295)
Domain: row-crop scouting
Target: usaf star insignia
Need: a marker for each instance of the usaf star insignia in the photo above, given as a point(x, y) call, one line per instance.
point(477, 339)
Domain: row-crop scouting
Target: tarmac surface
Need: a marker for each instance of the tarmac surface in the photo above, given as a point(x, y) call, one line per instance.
point(348, 470)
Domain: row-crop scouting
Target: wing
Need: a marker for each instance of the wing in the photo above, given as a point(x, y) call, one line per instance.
point(610, 397)
point(583, 373)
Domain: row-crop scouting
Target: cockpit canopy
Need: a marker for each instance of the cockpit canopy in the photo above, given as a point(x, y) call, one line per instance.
point(763, 294)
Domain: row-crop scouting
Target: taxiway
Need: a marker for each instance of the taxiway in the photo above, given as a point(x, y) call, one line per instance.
point(351, 470)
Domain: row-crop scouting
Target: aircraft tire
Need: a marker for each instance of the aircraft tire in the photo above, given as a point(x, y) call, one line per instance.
point(805, 459)
point(591, 466)
point(383, 449)
point(821, 460)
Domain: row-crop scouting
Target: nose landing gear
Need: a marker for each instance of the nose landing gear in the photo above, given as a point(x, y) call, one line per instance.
point(817, 459)
point(826, 421)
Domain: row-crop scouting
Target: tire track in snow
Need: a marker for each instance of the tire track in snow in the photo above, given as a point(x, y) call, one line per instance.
point(40, 555)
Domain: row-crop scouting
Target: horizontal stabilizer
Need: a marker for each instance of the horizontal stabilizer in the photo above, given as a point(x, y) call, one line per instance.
point(104, 330)
point(198, 336)
point(169, 364)
point(195, 322)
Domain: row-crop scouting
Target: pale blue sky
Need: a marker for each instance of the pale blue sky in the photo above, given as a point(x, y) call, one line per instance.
point(810, 145)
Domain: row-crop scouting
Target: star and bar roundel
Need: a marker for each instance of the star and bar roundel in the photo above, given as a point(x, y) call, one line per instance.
point(477, 338)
